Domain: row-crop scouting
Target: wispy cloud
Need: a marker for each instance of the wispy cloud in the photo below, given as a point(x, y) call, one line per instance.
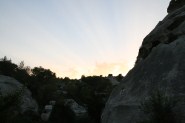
point(109, 68)
point(96, 69)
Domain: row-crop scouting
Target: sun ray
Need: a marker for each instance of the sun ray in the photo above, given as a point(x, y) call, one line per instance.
point(73, 37)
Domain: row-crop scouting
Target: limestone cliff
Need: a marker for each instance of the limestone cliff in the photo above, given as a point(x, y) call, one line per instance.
point(160, 65)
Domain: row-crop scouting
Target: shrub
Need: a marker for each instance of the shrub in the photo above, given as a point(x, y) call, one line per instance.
point(159, 108)
point(9, 105)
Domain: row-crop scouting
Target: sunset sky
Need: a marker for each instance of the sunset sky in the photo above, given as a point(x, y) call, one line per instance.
point(77, 37)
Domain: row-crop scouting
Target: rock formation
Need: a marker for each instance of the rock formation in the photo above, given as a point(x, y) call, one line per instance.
point(76, 108)
point(9, 85)
point(175, 4)
point(160, 65)
point(45, 115)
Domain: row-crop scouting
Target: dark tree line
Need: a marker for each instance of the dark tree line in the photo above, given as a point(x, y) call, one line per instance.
point(90, 92)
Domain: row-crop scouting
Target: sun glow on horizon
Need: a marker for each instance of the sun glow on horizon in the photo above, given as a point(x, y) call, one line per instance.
point(97, 70)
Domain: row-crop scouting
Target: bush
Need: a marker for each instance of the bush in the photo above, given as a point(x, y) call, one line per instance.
point(61, 113)
point(9, 105)
point(159, 108)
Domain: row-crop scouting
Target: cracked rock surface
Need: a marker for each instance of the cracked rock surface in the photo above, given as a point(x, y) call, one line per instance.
point(160, 65)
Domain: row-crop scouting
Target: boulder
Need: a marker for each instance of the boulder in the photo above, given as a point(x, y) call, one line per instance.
point(9, 85)
point(160, 65)
point(76, 108)
point(47, 112)
point(113, 81)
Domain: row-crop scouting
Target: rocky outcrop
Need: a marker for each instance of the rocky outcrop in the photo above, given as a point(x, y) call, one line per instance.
point(9, 85)
point(167, 31)
point(77, 109)
point(159, 66)
point(113, 81)
point(45, 115)
point(175, 4)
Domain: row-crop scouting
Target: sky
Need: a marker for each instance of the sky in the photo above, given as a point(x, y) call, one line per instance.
point(77, 37)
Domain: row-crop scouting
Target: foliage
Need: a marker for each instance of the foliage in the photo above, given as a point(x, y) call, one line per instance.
point(43, 74)
point(45, 93)
point(159, 108)
point(119, 77)
point(20, 72)
point(27, 117)
point(91, 92)
point(43, 85)
point(7, 67)
point(9, 104)
point(61, 113)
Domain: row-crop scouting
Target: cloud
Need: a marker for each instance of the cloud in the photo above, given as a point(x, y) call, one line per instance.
point(110, 68)
point(104, 69)
point(72, 73)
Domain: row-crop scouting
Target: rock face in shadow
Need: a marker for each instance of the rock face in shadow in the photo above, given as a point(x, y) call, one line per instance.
point(9, 85)
point(160, 65)
point(175, 4)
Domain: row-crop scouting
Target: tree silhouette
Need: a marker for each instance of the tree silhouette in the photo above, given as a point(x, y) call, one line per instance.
point(7, 67)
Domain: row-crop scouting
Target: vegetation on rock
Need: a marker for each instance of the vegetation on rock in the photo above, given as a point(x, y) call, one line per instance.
point(90, 92)
point(159, 108)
